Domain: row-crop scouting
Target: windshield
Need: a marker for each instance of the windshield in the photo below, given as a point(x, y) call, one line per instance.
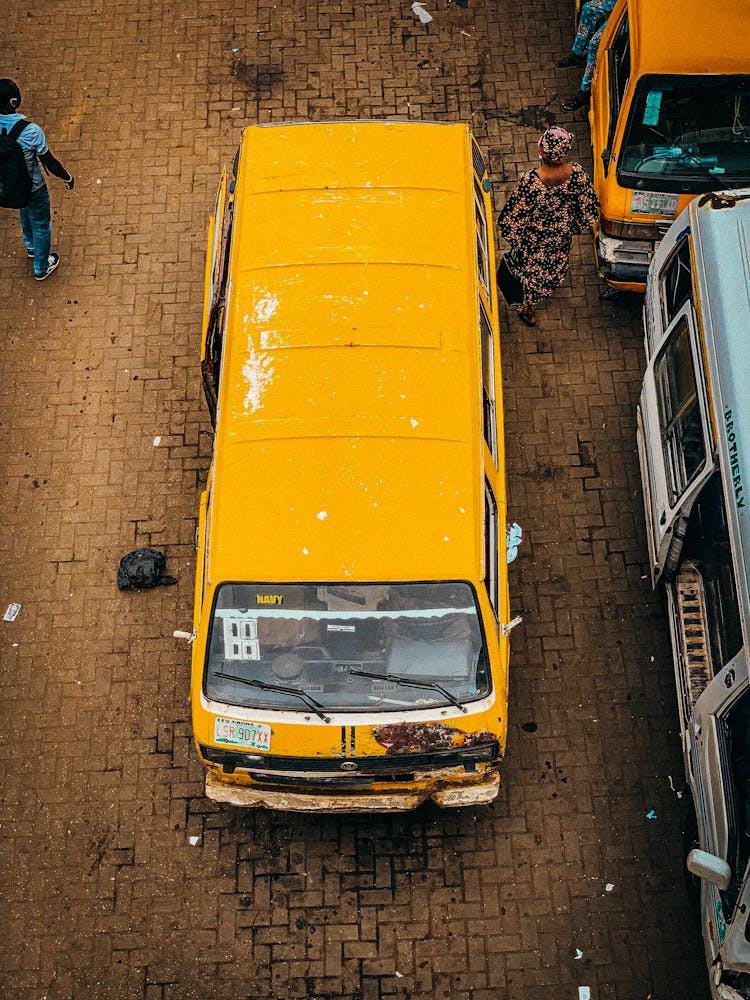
point(688, 133)
point(346, 648)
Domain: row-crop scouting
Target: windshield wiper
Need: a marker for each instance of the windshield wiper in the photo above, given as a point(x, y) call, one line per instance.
point(688, 154)
point(279, 689)
point(408, 682)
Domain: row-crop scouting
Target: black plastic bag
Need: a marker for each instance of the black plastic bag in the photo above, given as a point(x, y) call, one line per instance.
point(143, 569)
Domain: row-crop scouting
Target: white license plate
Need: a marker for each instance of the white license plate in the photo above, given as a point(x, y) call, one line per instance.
point(653, 203)
point(242, 734)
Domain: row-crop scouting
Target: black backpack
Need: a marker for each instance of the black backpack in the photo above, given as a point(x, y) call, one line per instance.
point(15, 180)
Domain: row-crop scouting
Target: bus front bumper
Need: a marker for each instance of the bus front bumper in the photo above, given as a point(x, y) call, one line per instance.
point(250, 796)
point(624, 263)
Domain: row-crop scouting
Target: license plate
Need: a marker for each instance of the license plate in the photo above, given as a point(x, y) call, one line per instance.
point(242, 734)
point(653, 203)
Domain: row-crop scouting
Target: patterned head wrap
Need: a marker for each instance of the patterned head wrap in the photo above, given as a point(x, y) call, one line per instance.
point(554, 144)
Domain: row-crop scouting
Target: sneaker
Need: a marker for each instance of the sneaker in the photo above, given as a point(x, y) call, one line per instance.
point(30, 252)
point(52, 261)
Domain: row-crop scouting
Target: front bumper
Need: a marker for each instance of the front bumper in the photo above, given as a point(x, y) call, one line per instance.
point(478, 792)
point(624, 263)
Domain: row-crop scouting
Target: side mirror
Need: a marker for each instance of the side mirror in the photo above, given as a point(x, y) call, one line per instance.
point(709, 867)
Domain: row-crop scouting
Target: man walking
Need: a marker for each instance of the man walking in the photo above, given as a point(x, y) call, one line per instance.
point(36, 219)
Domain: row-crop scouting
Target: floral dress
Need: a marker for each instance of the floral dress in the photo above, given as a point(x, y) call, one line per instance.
point(539, 222)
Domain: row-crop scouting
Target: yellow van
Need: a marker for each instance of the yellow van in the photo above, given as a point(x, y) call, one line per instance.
point(351, 602)
point(669, 118)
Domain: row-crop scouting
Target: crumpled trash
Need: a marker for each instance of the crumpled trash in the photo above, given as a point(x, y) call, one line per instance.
point(424, 16)
point(513, 538)
point(142, 569)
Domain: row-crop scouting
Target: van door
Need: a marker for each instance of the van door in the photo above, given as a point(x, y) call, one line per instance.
point(722, 760)
point(674, 440)
point(217, 260)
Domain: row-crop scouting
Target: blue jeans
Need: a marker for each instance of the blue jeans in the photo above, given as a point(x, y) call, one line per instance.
point(36, 223)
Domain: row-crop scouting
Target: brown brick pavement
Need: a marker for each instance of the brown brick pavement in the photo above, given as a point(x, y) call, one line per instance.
point(103, 894)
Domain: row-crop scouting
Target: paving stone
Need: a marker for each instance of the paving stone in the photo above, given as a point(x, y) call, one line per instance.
point(105, 896)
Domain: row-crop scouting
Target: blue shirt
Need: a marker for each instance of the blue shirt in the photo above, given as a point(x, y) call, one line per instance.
point(33, 142)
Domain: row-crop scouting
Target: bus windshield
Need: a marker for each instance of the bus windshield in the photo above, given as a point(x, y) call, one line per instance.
point(688, 130)
point(381, 647)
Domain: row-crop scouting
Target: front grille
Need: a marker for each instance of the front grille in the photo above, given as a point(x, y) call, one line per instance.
point(398, 767)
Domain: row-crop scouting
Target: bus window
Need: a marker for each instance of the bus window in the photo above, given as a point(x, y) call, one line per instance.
point(491, 545)
point(488, 382)
point(619, 73)
point(679, 412)
point(483, 254)
point(677, 282)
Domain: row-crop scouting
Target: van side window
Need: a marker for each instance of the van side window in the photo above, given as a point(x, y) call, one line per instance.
point(483, 254)
point(619, 74)
point(490, 545)
point(488, 382)
point(677, 282)
point(733, 731)
point(679, 412)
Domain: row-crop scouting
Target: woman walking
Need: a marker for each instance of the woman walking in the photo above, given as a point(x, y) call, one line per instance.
point(549, 206)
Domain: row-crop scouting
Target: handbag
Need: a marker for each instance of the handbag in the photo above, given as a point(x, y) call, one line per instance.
point(508, 280)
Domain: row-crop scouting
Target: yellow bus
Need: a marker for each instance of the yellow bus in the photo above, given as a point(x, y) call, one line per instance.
point(669, 117)
point(351, 603)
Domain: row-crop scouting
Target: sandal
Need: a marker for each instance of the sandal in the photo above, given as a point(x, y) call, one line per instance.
point(527, 315)
point(575, 102)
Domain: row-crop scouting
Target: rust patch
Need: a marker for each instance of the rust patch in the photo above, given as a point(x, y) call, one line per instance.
point(421, 737)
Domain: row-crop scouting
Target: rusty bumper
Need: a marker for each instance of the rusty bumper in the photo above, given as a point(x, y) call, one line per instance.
point(249, 796)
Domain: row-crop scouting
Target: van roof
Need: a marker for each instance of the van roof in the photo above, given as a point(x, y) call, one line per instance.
point(689, 36)
point(721, 244)
point(349, 429)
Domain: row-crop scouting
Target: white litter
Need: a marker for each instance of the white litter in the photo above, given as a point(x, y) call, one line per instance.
point(424, 16)
point(513, 538)
point(579, 953)
point(608, 887)
point(194, 840)
point(157, 441)
point(322, 515)
point(584, 993)
point(11, 612)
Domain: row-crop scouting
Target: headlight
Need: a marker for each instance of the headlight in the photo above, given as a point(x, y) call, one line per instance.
point(487, 751)
point(228, 759)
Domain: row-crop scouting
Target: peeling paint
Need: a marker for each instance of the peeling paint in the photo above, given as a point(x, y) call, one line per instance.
point(258, 373)
point(265, 308)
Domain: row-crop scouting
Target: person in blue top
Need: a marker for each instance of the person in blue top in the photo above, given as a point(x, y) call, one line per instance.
point(36, 219)
point(592, 20)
